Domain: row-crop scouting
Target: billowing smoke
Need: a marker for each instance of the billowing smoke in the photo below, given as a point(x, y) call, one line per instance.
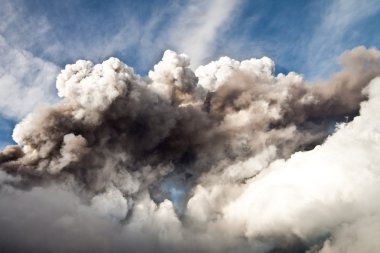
point(229, 158)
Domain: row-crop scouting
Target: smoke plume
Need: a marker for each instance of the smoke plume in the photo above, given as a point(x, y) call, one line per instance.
point(226, 158)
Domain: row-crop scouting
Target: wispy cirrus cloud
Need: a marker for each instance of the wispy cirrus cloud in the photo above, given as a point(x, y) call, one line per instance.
point(193, 27)
point(25, 79)
point(198, 26)
point(330, 36)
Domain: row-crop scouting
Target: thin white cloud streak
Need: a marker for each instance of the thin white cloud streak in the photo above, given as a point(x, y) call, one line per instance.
point(198, 25)
point(326, 42)
point(96, 46)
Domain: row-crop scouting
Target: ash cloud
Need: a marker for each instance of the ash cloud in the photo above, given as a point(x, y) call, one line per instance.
point(228, 157)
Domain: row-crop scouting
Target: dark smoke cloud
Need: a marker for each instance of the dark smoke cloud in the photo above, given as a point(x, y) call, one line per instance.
point(226, 158)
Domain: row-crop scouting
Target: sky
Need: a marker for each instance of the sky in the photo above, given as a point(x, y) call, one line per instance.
point(38, 38)
point(190, 126)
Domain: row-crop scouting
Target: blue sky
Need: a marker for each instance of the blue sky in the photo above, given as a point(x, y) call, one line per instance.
point(39, 37)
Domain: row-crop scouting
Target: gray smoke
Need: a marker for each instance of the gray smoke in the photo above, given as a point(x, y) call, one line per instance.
point(228, 157)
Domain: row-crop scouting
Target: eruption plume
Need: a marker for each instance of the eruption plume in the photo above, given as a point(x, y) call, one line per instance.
point(226, 158)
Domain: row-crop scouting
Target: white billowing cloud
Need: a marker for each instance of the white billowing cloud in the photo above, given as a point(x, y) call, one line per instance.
point(243, 201)
point(147, 215)
point(217, 73)
point(359, 236)
point(111, 204)
point(172, 73)
point(329, 191)
point(102, 169)
point(198, 25)
point(75, 83)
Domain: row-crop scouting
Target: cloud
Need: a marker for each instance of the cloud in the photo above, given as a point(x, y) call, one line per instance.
point(20, 30)
point(193, 28)
point(29, 59)
point(86, 45)
point(227, 157)
point(319, 193)
point(327, 41)
point(198, 25)
point(25, 80)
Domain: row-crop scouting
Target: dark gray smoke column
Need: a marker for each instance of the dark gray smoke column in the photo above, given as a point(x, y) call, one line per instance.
point(102, 169)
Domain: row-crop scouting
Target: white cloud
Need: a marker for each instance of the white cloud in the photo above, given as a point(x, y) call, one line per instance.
point(21, 30)
point(198, 25)
point(331, 190)
point(25, 80)
point(93, 44)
